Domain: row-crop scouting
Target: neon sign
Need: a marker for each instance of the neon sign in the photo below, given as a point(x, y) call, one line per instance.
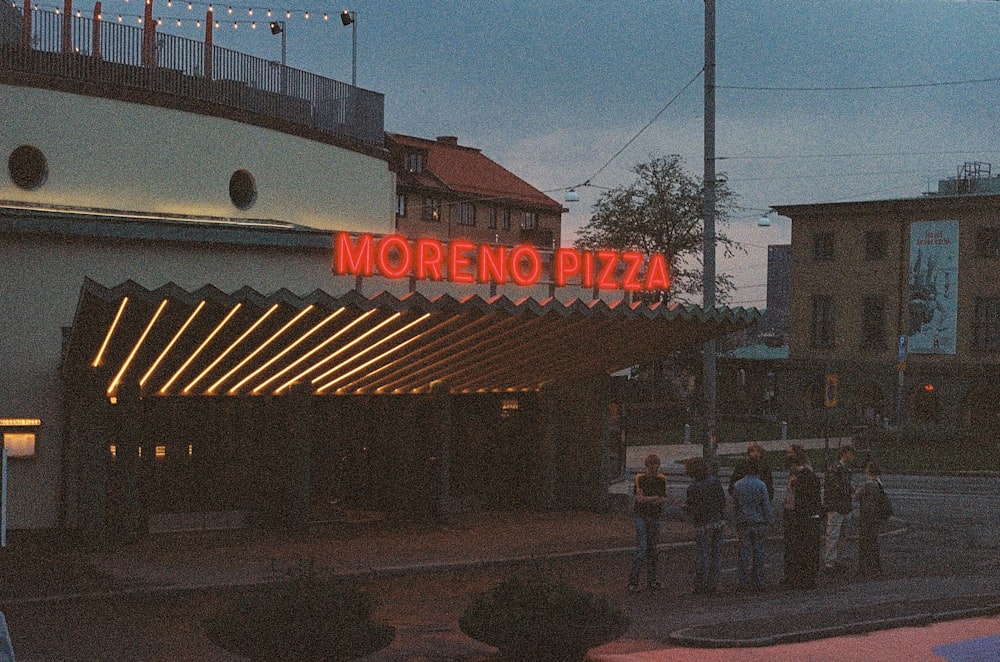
point(459, 261)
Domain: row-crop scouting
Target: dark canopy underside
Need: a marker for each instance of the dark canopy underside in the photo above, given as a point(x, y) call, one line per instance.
point(207, 342)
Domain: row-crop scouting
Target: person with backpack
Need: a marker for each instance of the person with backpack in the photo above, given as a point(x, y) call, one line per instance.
point(874, 507)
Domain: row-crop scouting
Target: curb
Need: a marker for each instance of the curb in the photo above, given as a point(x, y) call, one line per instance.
point(686, 637)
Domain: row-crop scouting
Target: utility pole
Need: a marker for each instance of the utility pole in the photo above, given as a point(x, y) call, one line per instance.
point(708, 247)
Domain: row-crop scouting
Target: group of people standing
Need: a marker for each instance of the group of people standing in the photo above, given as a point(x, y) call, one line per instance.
point(814, 515)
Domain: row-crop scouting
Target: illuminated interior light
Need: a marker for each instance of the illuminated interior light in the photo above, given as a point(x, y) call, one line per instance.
point(457, 343)
point(288, 349)
point(111, 331)
point(302, 375)
point(214, 387)
point(113, 386)
point(369, 362)
point(200, 348)
point(140, 451)
point(187, 389)
point(315, 349)
point(113, 450)
point(170, 345)
point(368, 349)
point(190, 450)
point(160, 452)
point(409, 358)
point(20, 422)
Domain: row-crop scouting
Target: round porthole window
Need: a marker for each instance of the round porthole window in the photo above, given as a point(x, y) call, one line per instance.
point(28, 167)
point(243, 189)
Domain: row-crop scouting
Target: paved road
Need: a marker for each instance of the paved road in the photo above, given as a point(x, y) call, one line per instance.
point(944, 542)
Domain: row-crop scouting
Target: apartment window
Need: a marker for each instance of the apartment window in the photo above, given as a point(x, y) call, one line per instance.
point(529, 220)
point(491, 217)
point(414, 161)
point(873, 323)
point(822, 321)
point(987, 325)
point(823, 246)
point(465, 213)
point(988, 243)
point(431, 210)
point(875, 244)
point(505, 219)
point(400, 205)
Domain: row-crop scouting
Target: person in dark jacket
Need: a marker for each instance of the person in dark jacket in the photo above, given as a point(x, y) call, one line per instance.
point(705, 508)
point(802, 520)
point(837, 501)
point(754, 459)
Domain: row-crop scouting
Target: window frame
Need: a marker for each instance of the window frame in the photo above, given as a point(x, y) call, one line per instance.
point(430, 210)
point(986, 324)
point(823, 322)
point(824, 245)
point(876, 244)
point(465, 214)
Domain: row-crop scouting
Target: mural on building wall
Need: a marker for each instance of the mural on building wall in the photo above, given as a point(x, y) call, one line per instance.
point(933, 303)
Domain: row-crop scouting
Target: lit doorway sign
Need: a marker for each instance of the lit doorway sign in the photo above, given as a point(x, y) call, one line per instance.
point(458, 261)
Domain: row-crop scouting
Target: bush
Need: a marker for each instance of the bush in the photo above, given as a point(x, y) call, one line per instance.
point(306, 616)
point(535, 617)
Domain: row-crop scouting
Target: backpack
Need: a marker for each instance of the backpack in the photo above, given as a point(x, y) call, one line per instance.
point(883, 507)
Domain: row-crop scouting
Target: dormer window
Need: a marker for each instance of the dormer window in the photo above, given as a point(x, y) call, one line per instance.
point(414, 162)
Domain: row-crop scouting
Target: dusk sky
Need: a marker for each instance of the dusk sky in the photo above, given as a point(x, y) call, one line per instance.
point(880, 98)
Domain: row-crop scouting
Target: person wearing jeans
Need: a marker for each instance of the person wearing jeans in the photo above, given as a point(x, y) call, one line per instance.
point(650, 495)
point(753, 515)
point(705, 507)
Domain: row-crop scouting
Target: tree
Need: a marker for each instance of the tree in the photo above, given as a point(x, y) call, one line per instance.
point(661, 212)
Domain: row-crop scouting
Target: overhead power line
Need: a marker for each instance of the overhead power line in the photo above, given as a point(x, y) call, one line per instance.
point(853, 88)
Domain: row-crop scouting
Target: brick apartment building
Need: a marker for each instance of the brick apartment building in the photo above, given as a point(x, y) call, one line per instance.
point(900, 301)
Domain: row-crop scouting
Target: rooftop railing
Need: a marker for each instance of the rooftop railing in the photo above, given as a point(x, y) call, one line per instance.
point(110, 53)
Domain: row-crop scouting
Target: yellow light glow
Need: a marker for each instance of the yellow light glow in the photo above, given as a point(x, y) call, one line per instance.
point(288, 349)
point(214, 387)
point(170, 345)
point(368, 349)
point(308, 354)
point(19, 444)
point(200, 348)
point(113, 450)
point(113, 386)
point(19, 422)
point(111, 331)
point(228, 350)
point(368, 363)
point(302, 375)
point(160, 452)
point(452, 346)
point(190, 450)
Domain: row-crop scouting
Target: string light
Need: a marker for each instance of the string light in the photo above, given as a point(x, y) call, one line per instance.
point(230, 10)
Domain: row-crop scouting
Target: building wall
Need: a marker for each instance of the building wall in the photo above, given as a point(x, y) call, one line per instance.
point(108, 154)
point(412, 224)
point(870, 374)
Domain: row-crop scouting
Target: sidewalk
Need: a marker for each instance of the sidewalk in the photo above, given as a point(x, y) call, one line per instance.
point(209, 560)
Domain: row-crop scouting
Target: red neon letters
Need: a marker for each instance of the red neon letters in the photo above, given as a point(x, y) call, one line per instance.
point(460, 261)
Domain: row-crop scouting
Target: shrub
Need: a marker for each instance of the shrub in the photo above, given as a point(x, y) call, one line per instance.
point(306, 616)
point(535, 617)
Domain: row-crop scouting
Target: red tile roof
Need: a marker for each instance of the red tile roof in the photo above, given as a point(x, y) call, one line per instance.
point(464, 170)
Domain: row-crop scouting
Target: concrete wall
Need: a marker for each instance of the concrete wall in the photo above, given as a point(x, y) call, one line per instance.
point(124, 156)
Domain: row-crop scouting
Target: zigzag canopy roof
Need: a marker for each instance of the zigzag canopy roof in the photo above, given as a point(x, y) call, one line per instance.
point(208, 342)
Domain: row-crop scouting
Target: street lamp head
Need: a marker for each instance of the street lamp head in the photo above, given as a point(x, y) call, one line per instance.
point(572, 195)
point(276, 28)
point(346, 17)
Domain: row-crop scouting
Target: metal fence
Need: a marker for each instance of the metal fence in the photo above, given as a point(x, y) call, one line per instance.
point(111, 53)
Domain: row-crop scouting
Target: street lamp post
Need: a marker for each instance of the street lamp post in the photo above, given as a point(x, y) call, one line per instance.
point(278, 27)
point(351, 18)
point(708, 245)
